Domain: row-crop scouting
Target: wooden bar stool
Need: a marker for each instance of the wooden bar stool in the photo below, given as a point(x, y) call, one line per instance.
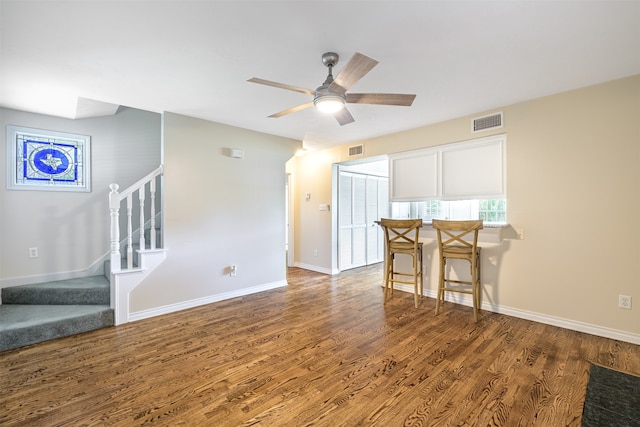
point(460, 242)
point(402, 238)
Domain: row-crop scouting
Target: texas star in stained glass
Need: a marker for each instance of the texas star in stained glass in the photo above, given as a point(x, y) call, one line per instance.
point(49, 161)
point(53, 161)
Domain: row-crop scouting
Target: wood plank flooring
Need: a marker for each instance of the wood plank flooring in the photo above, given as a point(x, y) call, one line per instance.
point(324, 351)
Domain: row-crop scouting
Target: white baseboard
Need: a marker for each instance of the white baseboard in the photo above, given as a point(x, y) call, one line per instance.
point(95, 269)
point(316, 268)
point(171, 308)
point(560, 322)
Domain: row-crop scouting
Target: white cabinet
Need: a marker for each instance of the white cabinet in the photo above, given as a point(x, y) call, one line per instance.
point(414, 176)
point(473, 169)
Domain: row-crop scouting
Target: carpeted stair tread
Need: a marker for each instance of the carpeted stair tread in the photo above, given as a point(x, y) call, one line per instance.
point(92, 290)
point(22, 325)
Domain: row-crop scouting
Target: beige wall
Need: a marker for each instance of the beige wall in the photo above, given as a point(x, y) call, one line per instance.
point(218, 211)
point(573, 178)
point(313, 226)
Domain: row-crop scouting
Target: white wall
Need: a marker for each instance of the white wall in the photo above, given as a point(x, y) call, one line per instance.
point(573, 185)
point(218, 211)
point(71, 230)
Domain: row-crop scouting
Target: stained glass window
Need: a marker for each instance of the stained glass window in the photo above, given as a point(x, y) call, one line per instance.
point(47, 160)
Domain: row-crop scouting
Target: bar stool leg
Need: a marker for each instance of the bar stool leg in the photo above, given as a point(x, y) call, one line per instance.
point(415, 280)
point(388, 281)
point(440, 298)
point(477, 287)
point(421, 273)
point(475, 283)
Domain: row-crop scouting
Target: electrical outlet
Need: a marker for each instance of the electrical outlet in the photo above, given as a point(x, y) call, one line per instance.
point(33, 252)
point(520, 233)
point(234, 270)
point(315, 252)
point(624, 301)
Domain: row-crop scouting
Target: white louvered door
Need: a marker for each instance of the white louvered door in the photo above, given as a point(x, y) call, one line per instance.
point(363, 199)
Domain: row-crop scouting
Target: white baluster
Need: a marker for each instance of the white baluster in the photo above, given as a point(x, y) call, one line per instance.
point(115, 199)
point(152, 219)
point(129, 232)
point(141, 198)
point(114, 208)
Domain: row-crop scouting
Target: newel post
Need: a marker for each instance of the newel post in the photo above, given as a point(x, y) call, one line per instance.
point(114, 208)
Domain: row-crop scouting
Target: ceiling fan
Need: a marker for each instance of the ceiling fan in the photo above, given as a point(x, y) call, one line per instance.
point(332, 95)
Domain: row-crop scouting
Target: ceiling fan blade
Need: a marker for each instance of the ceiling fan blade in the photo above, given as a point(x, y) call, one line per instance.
point(281, 86)
point(381, 98)
point(292, 109)
point(343, 116)
point(357, 67)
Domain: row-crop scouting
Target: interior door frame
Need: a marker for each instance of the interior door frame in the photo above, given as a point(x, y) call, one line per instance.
point(289, 238)
point(348, 166)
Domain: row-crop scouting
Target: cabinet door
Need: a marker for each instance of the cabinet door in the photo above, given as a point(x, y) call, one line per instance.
point(460, 171)
point(474, 170)
point(414, 175)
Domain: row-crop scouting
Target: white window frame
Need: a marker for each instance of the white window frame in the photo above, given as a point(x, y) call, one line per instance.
point(449, 209)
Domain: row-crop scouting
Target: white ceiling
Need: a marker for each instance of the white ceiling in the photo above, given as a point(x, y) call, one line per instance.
point(194, 57)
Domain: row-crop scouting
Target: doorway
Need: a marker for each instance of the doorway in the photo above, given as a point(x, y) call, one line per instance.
point(363, 198)
point(288, 209)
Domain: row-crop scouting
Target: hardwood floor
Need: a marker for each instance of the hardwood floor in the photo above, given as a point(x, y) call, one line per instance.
point(323, 351)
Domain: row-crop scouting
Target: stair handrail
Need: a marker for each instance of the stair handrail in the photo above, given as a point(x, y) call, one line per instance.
point(115, 198)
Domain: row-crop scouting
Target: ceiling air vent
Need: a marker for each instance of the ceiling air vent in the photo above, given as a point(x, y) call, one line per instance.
point(492, 121)
point(356, 150)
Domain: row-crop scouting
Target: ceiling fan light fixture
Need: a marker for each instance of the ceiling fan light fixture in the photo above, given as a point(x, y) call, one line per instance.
point(329, 103)
point(331, 97)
